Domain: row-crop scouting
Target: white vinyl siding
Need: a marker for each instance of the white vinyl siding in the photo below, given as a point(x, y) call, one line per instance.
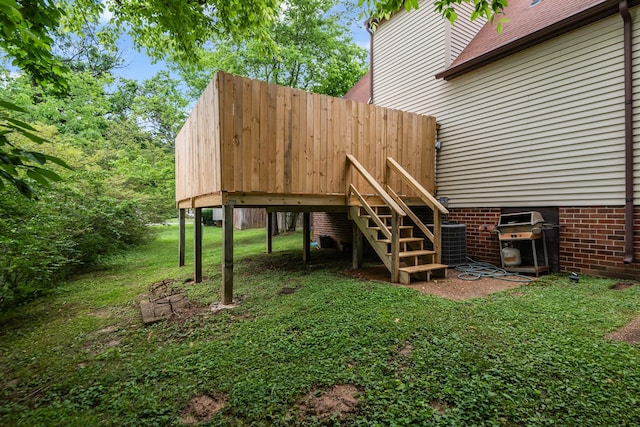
point(543, 127)
point(462, 32)
point(409, 51)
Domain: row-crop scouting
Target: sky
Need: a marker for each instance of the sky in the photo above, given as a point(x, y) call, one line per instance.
point(138, 66)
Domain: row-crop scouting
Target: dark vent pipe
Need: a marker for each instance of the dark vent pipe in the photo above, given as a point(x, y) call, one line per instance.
point(628, 134)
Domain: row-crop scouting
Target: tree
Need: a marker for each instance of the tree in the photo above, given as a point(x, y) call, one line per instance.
point(383, 9)
point(177, 29)
point(174, 30)
point(25, 37)
point(312, 50)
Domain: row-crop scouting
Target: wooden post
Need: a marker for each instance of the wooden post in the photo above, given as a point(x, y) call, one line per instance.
point(395, 248)
point(306, 237)
point(357, 247)
point(437, 235)
point(227, 253)
point(181, 239)
point(197, 245)
point(269, 232)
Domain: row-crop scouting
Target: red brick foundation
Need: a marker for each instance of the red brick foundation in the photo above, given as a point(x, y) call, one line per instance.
point(335, 225)
point(591, 238)
point(482, 245)
point(592, 241)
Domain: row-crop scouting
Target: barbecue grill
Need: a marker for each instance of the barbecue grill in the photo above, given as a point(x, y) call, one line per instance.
point(515, 230)
point(519, 226)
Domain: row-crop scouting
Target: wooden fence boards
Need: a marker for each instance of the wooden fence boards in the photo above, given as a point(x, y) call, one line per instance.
point(249, 136)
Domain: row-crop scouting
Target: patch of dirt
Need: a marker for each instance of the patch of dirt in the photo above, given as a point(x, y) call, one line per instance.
point(629, 333)
point(338, 401)
point(287, 291)
point(164, 302)
point(623, 285)
point(113, 343)
point(107, 330)
point(218, 306)
point(406, 351)
point(242, 316)
point(102, 313)
point(203, 408)
point(450, 287)
point(438, 407)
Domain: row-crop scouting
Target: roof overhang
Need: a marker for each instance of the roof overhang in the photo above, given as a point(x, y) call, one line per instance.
point(581, 19)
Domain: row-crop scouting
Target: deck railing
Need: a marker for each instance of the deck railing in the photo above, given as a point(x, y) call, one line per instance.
point(249, 137)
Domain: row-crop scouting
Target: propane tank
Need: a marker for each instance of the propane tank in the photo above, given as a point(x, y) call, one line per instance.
point(511, 256)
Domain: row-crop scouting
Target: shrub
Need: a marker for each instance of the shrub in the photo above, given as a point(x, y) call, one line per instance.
point(42, 242)
point(207, 216)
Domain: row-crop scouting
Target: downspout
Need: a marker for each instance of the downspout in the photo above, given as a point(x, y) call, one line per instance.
point(628, 133)
point(367, 26)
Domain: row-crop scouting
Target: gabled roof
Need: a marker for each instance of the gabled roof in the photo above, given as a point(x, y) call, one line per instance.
point(361, 91)
point(529, 25)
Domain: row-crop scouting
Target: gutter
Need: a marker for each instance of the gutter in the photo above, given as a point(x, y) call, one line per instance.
point(367, 27)
point(628, 133)
point(581, 19)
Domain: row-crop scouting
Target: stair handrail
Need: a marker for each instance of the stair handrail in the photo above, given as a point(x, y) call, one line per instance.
point(428, 199)
point(376, 186)
point(396, 214)
point(416, 220)
point(423, 193)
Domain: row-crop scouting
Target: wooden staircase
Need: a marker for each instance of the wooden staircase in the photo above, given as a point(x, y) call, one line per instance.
point(390, 227)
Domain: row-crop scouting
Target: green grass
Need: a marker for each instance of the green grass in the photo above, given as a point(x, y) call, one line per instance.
point(530, 356)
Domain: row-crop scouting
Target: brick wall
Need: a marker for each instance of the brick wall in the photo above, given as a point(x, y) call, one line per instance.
point(591, 238)
point(592, 241)
point(482, 245)
point(335, 225)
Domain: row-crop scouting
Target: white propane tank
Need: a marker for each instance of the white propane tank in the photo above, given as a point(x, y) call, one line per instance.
point(511, 256)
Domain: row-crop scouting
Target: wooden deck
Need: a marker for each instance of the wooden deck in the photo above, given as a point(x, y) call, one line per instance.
point(252, 144)
point(266, 145)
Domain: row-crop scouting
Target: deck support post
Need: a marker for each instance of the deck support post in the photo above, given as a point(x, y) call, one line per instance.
point(227, 253)
point(357, 247)
point(197, 245)
point(306, 237)
point(181, 238)
point(395, 248)
point(269, 232)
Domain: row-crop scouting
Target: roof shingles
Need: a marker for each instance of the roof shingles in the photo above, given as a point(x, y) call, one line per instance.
point(528, 25)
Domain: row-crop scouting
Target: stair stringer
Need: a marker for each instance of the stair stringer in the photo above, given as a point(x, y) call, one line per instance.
point(370, 235)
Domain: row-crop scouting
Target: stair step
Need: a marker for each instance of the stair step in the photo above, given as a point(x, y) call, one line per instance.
point(408, 254)
point(421, 268)
point(367, 216)
point(403, 240)
point(401, 227)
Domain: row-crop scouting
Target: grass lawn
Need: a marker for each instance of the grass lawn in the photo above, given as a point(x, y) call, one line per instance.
point(534, 355)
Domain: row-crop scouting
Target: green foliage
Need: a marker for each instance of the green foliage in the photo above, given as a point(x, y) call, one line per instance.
point(380, 10)
point(312, 50)
point(207, 216)
point(159, 26)
point(122, 173)
point(529, 356)
point(26, 36)
point(17, 164)
point(41, 242)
